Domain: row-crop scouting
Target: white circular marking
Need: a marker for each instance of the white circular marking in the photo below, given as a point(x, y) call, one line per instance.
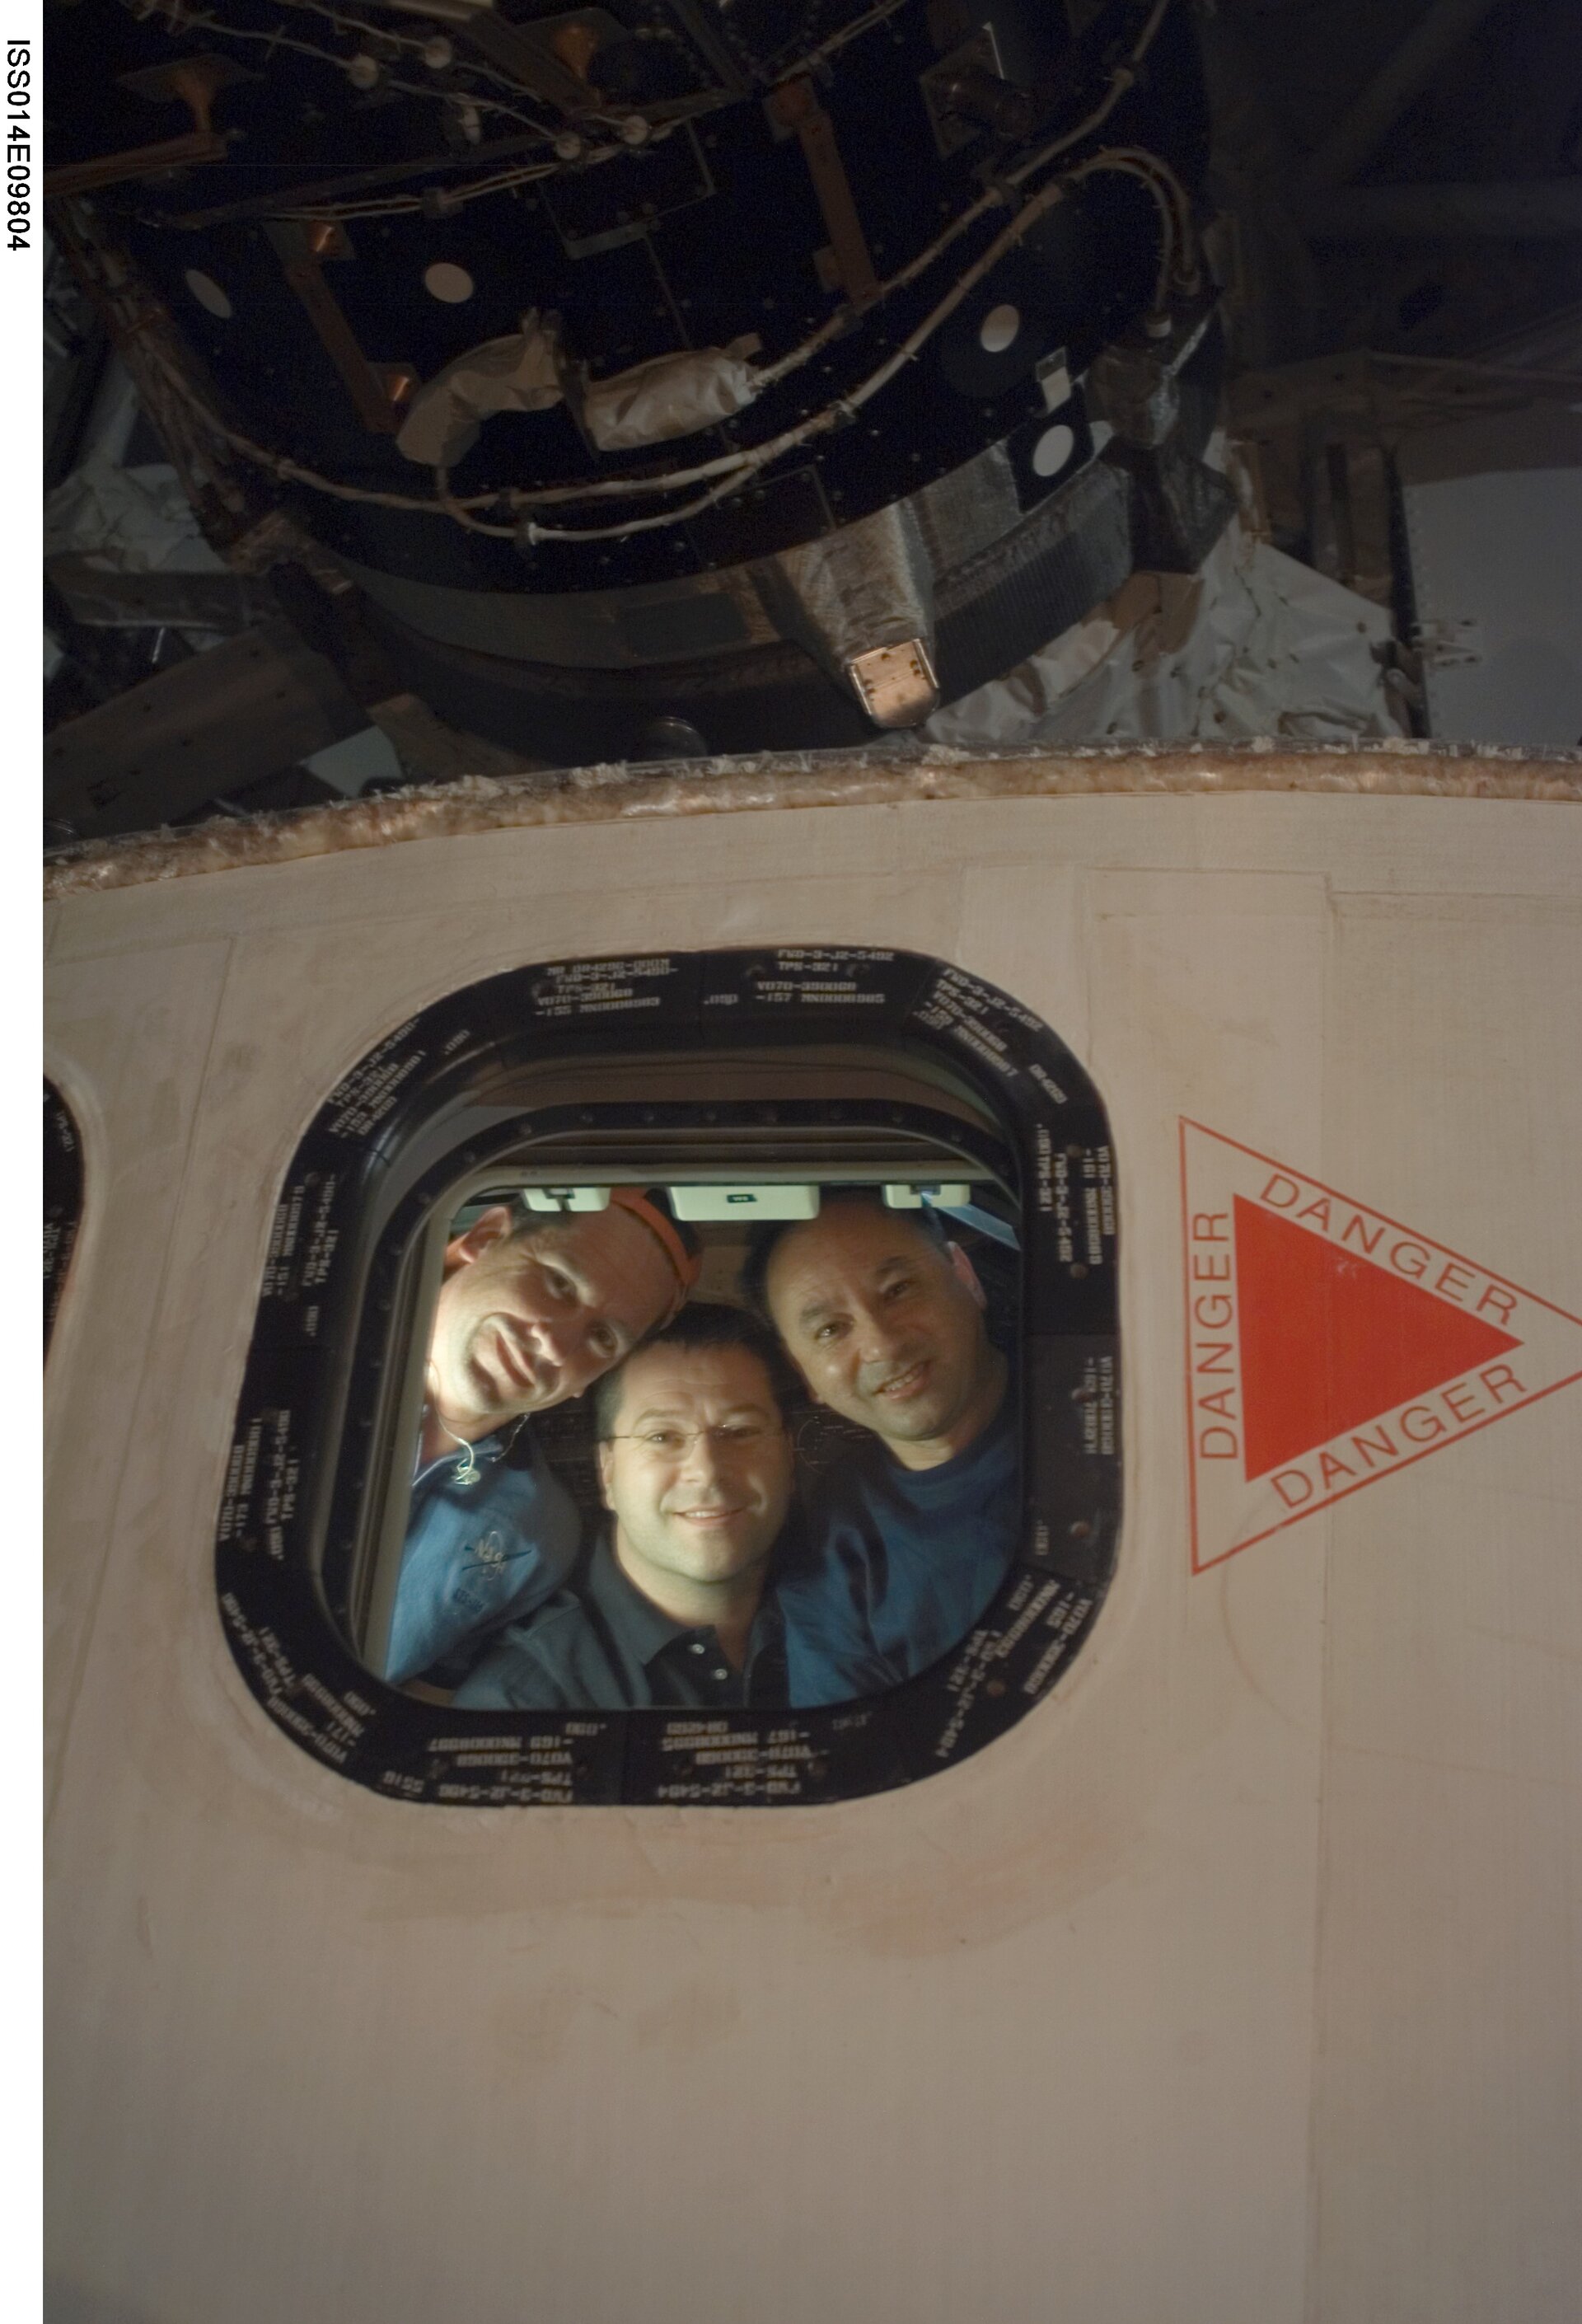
point(208, 293)
point(999, 329)
point(452, 283)
point(1053, 450)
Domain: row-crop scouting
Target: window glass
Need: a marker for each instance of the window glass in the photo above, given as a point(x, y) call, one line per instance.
point(62, 1200)
point(704, 1443)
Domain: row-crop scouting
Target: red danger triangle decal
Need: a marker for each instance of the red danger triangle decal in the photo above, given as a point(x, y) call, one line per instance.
point(1329, 1339)
point(1328, 1345)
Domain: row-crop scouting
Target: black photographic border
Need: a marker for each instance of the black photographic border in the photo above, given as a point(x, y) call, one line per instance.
point(315, 1380)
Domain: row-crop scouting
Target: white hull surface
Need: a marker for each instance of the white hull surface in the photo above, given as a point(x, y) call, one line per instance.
point(1238, 1984)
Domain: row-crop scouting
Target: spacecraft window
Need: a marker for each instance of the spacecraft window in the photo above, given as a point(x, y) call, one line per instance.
point(63, 1191)
point(1053, 450)
point(726, 1417)
point(515, 1483)
point(999, 329)
point(209, 294)
point(449, 284)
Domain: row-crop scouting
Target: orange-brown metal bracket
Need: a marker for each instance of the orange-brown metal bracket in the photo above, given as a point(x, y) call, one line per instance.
point(378, 389)
point(196, 81)
point(794, 106)
point(531, 59)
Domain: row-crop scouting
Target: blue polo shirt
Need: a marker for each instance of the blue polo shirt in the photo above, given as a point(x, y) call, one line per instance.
point(477, 1554)
point(900, 1562)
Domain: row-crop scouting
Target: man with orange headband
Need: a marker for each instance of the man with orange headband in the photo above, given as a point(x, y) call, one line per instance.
point(533, 1309)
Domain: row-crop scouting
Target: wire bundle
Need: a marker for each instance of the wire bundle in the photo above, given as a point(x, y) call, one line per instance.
point(727, 473)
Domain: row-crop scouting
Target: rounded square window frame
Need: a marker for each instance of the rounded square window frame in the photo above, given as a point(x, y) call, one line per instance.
point(425, 1113)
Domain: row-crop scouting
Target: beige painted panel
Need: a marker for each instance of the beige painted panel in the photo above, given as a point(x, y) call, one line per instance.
point(1207, 996)
point(1035, 911)
point(499, 872)
point(1493, 847)
point(406, 962)
point(1035, 2038)
point(1447, 2139)
point(128, 1054)
point(1379, 844)
point(1450, 2003)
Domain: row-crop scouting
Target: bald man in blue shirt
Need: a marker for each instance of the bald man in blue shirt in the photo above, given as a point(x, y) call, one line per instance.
point(911, 1535)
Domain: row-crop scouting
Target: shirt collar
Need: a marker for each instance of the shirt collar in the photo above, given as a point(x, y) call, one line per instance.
point(645, 1629)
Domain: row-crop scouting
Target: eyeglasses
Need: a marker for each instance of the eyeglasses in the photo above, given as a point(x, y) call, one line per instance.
point(665, 1442)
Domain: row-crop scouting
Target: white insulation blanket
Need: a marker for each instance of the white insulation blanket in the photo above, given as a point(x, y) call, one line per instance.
point(1251, 644)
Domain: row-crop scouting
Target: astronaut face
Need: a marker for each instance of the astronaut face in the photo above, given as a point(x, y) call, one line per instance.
point(886, 1328)
point(698, 1467)
point(524, 1320)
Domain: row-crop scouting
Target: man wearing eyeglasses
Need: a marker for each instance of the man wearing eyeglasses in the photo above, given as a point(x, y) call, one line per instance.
point(674, 1607)
point(533, 1309)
